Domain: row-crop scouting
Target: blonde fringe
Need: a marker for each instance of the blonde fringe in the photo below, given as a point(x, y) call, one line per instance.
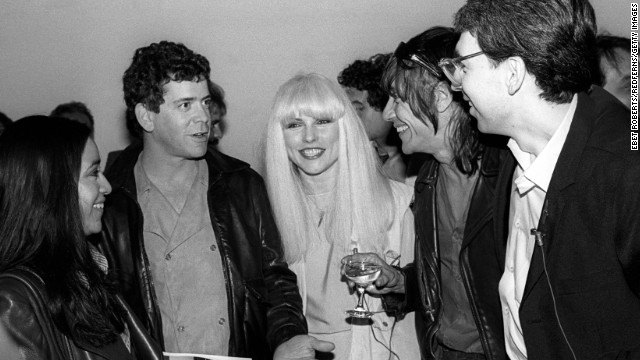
point(362, 210)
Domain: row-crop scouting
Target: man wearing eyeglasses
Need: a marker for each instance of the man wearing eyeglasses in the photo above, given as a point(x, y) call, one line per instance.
point(571, 282)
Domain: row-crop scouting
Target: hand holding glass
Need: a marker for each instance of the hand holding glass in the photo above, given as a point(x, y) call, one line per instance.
point(363, 274)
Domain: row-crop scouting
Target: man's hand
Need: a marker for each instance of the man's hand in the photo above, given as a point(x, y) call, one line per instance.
point(391, 280)
point(301, 347)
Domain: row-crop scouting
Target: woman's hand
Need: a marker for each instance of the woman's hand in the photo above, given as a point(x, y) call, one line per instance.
point(391, 279)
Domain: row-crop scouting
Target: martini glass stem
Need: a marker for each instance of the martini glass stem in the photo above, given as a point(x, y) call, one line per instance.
point(360, 298)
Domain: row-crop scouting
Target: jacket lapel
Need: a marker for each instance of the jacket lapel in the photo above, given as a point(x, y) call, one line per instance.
point(481, 207)
point(426, 182)
point(502, 202)
point(564, 173)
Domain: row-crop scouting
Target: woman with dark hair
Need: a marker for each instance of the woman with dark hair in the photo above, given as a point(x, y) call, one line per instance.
point(56, 298)
point(453, 281)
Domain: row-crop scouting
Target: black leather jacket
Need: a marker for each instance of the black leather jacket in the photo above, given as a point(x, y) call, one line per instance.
point(29, 332)
point(265, 308)
point(481, 266)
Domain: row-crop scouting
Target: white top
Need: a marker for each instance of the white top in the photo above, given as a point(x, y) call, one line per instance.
point(530, 183)
point(325, 296)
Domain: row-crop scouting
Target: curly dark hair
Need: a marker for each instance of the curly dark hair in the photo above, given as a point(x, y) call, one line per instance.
point(153, 67)
point(415, 85)
point(74, 107)
point(40, 160)
point(555, 38)
point(607, 46)
point(365, 75)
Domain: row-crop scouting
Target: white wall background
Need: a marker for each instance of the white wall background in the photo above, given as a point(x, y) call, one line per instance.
point(55, 51)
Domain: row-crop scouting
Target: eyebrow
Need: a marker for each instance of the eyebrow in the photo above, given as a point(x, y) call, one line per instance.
point(95, 163)
point(190, 99)
point(180, 100)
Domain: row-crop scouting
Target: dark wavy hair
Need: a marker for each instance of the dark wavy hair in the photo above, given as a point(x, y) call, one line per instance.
point(74, 107)
point(153, 67)
point(415, 85)
point(365, 75)
point(607, 46)
point(555, 38)
point(41, 227)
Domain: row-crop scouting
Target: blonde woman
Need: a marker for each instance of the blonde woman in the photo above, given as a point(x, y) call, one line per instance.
point(330, 197)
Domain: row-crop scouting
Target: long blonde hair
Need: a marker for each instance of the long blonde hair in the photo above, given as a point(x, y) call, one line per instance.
point(361, 208)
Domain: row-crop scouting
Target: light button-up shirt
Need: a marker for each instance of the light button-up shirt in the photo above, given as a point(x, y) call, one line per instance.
point(186, 267)
point(530, 184)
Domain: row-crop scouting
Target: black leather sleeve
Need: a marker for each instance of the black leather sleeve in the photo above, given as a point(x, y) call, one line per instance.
point(400, 305)
point(24, 336)
point(285, 318)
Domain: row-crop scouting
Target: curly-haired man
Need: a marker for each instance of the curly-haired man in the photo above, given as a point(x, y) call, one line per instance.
point(189, 231)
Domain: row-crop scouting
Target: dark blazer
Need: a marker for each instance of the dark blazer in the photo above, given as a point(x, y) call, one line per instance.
point(591, 241)
point(265, 308)
point(480, 264)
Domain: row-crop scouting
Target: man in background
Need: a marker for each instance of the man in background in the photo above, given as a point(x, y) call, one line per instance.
point(614, 54)
point(361, 81)
point(77, 111)
point(218, 111)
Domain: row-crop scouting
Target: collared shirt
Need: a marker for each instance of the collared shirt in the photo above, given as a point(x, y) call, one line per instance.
point(457, 329)
point(186, 268)
point(530, 184)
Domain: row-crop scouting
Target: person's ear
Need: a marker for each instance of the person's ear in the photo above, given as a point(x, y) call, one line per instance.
point(145, 117)
point(516, 73)
point(444, 96)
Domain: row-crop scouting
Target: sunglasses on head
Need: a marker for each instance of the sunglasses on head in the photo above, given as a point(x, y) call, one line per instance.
point(408, 59)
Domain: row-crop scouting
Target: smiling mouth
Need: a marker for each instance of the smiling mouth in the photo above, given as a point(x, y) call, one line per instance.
point(402, 128)
point(311, 154)
point(201, 135)
point(98, 206)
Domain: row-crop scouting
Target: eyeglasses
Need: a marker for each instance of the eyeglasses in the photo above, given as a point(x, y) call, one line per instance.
point(452, 68)
point(408, 58)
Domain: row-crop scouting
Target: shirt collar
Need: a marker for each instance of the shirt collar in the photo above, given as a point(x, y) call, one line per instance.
point(143, 184)
point(537, 171)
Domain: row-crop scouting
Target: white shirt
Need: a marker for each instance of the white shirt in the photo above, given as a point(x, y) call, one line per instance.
point(530, 183)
